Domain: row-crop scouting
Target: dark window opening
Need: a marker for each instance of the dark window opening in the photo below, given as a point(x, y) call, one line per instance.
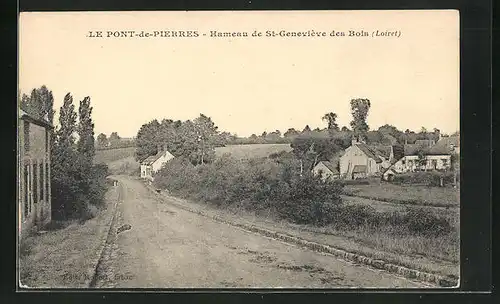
point(42, 183)
point(26, 136)
point(35, 184)
point(26, 191)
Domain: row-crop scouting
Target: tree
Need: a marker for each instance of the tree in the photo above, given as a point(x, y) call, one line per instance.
point(114, 139)
point(86, 145)
point(39, 104)
point(291, 133)
point(206, 133)
point(147, 140)
point(102, 140)
point(331, 119)
point(359, 111)
point(306, 129)
point(66, 191)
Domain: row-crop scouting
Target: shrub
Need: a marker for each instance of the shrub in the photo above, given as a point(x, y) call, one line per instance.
point(430, 178)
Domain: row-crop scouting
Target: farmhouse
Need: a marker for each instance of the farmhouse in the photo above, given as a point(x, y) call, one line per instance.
point(34, 198)
point(423, 157)
point(152, 164)
point(326, 170)
point(360, 160)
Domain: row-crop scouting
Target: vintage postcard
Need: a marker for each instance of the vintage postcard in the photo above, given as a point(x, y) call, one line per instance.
point(239, 149)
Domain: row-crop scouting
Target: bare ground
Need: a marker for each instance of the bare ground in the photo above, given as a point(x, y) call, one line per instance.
point(168, 247)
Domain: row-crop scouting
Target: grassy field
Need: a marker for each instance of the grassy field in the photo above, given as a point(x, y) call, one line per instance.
point(108, 156)
point(252, 151)
point(63, 256)
point(413, 195)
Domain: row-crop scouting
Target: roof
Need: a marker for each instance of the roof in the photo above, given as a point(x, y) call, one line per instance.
point(445, 146)
point(359, 169)
point(151, 159)
point(384, 151)
point(330, 166)
point(411, 149)
point(425, 142)
point(368, 152)
point(25, 116)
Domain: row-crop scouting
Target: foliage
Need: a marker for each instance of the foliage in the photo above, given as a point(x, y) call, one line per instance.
point(429, 178)
point(85, 145)
point(331, 119)
point(39, 104)
point(102, 140)
point(359, 111)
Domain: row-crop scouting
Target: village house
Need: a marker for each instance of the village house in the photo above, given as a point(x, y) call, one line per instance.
point(153, 164)
point(424, 157)
point(34, 198)
point(326, 170)
point(361, 160)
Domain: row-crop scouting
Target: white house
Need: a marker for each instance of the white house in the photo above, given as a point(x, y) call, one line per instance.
point(360, 160)
point(435, 157)
point(152, 164)
point(326, 170)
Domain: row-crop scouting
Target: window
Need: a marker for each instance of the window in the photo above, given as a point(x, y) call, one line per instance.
point(26, 191)
point(434, 163)
point(403, 162)
point(445, 162)
point(47, 136)
point(42, 183)
point(26, 136)
point(35, 184)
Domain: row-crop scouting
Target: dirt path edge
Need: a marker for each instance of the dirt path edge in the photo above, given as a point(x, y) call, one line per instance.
point(408, 273)
point(92, 271)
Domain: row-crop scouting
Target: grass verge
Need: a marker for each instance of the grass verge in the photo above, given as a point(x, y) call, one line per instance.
point(63, 256)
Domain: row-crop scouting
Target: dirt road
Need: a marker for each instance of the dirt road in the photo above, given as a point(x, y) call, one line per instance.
point(168, 247)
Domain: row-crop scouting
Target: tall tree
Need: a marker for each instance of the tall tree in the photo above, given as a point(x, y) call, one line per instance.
point(65, 182)
point(306, 129)
point(359, 111)
point(331, 119)
point(206, 133)
point(86, 145)
point(147, 140)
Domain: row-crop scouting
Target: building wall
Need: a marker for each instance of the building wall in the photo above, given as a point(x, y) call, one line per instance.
point(34, 176)
point(146, 171)
point(354, 156)
point(410, 163)
point(161, 161)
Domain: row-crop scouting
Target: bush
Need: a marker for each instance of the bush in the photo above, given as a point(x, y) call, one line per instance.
point(430, 178)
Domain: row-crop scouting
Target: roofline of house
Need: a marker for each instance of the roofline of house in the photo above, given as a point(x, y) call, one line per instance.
point(40, 122)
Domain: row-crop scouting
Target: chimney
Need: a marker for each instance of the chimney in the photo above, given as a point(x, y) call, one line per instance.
point(361, 139)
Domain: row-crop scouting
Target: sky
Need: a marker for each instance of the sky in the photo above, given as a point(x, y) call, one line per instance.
point(248, 84)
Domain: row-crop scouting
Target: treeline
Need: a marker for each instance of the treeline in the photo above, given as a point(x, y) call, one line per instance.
point(193, 139)
point(114, 141)
point(78, 186)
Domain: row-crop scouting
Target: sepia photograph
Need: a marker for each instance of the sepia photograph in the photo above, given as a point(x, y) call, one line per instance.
point(238, 150)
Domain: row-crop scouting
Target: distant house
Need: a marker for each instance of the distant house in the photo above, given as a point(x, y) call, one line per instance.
point(33, 172)
point(361, 160)
point(152, 164)
point(422, 157)
point(326, 170)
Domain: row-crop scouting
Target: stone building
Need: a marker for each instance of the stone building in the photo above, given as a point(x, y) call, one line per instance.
point(34, 198)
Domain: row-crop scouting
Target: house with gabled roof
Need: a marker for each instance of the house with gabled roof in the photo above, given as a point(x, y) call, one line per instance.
point(326, 170)
point(154, 163)
point(422, 156)
point(361, 160)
